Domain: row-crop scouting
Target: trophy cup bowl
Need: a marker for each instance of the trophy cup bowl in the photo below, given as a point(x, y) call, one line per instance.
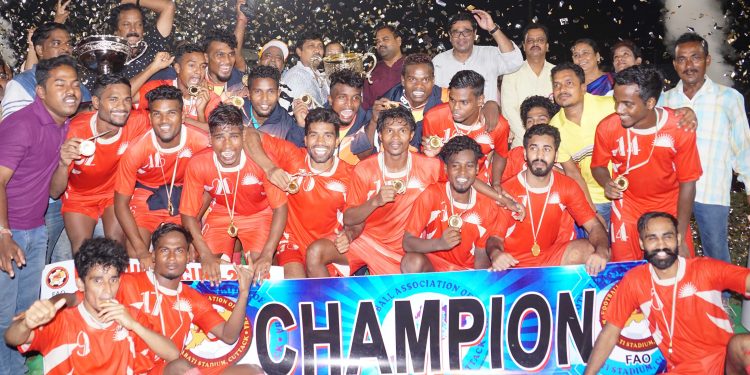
point(350, 60)
point(103, 54)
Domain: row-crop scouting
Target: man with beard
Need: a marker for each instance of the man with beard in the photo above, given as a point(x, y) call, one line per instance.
point(488, 61)
point(547, 195)
point(723, 139)
point(304, 77)
point(655, 163)
point(263, 111)
point(89, 182)
point(171, 307)
point(128, 21)
point(190, 68)
point(532, 79)
point(244, 206)
point(383, 189)
point(274, 53)
point(388, 69)
point(222, 77)
point(150, 173)
point(693, 332)
point(462, 115)
point(32, 145)
point(450, 223)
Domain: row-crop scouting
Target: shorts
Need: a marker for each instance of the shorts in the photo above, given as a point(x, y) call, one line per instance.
point(290, 251)
point(146, 218)
point(252, 229)
point(441, 264)
point(92, 206)
point(379, 258)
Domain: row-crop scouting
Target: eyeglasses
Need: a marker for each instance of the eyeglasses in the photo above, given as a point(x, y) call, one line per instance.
point(536, 41)
point(462, 33)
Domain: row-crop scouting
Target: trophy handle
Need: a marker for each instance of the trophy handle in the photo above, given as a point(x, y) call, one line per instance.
point(143, 46)
point(374, 62)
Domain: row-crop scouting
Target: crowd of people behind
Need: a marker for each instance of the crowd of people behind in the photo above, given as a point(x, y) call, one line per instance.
point(475, 158)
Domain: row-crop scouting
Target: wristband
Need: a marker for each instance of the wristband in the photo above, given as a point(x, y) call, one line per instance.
point(495, 29)
point(4, 230)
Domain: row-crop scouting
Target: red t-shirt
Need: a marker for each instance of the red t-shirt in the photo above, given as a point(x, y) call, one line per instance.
point(654, 186)
point(515, 163)
point(189, 106)
point(429, 219)
point(95, 175)
point(701, 326)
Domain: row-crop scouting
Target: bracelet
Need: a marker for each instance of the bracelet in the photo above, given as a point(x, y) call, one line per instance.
point(4, 230)
point(491, 31)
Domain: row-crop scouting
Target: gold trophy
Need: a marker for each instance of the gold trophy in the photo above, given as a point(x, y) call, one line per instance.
point(194, 90)
point(435, 142)
point(622, 183)
point(350, 60)
point(455, 221)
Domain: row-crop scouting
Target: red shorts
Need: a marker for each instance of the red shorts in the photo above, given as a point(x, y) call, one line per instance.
point(90, 205)
point(290, 251)
point(379, 258)
point(551, 256)
point(253, 230)
point(441, 264)
point(146, 218)
point(625, 244)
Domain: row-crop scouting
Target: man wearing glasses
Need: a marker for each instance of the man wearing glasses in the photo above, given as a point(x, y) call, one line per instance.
point(488, 61)
point(532, 79)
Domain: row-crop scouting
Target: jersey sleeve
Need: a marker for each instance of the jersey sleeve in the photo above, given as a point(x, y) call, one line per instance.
point(43, 337)
point(500, 136)
point(419, 216)
point(282, 153)
point(127, 169)
point(428, 127)
point(727, 275)
point(687, 160)
point(503, 222)
point(276, 197)
point(575, 201)
point(359, 187)
point(192, 188)
point(494, 227)
point(624, 303)
point(205, 317)
point(602, 154)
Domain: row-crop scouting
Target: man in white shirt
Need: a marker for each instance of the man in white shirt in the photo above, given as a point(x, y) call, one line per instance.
point(532, 79)
point(304, 78)
point(489, 61)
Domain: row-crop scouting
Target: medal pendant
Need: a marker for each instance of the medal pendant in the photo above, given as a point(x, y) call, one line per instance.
point(293, 187)
point(455, 221)
point(536, 250)
point(399, 185)
point(622, 183)
point(232, 230)
point(170, 209)
point(435, 142)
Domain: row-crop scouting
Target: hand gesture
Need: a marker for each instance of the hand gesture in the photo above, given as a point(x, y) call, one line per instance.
point(262, 267)
point(300, 110)
point(341, 242)
point(211, 270)
point(429, 150)
point(244, 277)
point(114, 311)
point(387, 194)
point(378, 106)
point(241, 17)
point(162, 60)
point(612, 191)
point(70, 150)
point(503, 261)
point(9, 253)
point(41, 312)
point(451, 238)
point(595, 263)
point(61, 11)
point(687, 119)
point(202, 99)
point(484, 20)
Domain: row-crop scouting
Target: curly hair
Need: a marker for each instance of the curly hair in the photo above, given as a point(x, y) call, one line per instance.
point(325, 115)
point(224, 115)
point(100, 252)
point(166, 228)
point(263, 71)
point(347, 77)
point(417, 59)
point(398, 113)
point(165, 92)
point(458, 144)
point(538, 101)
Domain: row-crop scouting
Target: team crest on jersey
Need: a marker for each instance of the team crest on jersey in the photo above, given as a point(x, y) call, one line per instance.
point(664, 140)
point(336, 185)
point(484, 139)
point(250, 179)
point(206, 351)
point(185, 153)
point(123, 147)
point(120, 333)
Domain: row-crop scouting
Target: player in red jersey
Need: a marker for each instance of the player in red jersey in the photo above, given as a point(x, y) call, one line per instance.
point(547, 195)
point(98, 336)
point(681, 298)
point(658, 160)
point(149, 177)
point(171, 307)
point(449, 222)
point(244, 205)
point(462, 115)
point(198, 101)
point(382, 191)
point(89, 181)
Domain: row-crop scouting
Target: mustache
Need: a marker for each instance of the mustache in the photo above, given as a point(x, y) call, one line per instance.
point(128, 35)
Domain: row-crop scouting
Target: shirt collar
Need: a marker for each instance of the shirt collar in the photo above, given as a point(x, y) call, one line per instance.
point(43, 116)
point(706, 88)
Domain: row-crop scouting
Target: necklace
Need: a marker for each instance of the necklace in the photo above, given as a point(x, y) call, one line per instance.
point(536, 249)
point(622, 181)
point(170, 207)
point(232, 229)
point(295, 180)
point(669, 324)
point(456, 221)
point(398, 184)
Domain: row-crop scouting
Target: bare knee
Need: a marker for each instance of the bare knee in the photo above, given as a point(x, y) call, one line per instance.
point(415, 263)
point(577, 252)
point(179, 366)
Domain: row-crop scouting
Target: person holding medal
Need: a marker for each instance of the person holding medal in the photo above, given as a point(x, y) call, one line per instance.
point(655, 163)
point(449, 223)
point(681, 299)
point(150, 173)
point(244, 205)
point(535, 241)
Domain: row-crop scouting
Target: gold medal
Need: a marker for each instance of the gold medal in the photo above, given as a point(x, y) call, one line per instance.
point(536, 250)
point(293, 187)
point(237, 101)
point(170, 208)
point(622, 183)
point(232, 230)
point(435, 142)
point(455, 221)
point(194, 90)
point(87, 148)
point(307, 100)
point(399, 185)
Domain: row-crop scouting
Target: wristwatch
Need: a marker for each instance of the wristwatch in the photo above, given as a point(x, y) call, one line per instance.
point(494, 30)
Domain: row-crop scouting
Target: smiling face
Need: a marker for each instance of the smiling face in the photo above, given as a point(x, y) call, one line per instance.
point(567, 88)
point(114, 104)
point(660, 242)
point(264, 94)
point(310, 48)
point(170, 255)
point(61, 92)
point(321, 141)
point(465, 105)
point(226, 142)
point(623, 58)
point(585, 57)
point(272, 56)
point(345, 101)
point(418, 81)
point(462, 36)
point(629, 105)
point(190, 69)
point(462, 168)
point(166, 120)
point(395, 136)
point(221, 58)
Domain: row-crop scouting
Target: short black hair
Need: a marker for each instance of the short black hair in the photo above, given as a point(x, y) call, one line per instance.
point(535, 101)
point(458, 144)
point(462, 16)
point(219, 35)
point(594, 46)
point(390, 28)
point(691, 37)
point(418, 59)
point(569, 66)
point(166, 228)
point(397, 113)
point(164, 92)
point(627, 43)
point(114, 15)
point(100, 251)
point(535, 26)
point(307, 35)
point(263, 71)
point(42, 32)
point(44, 67)
point(648, 80)
point(224, 115)
point(183, 49)
point(325, 115)
point(105, 80)
point(542, 129)
point(347, 77)
point(468, 79)
point(645, 218)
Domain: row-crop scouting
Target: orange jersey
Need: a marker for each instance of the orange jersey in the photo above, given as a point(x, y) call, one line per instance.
point(95, 174)
point(515, 163)
point(667, 157)
point(75, 343)
point(255, 191)
point(314, 212)
point(169, 312)
point(149, 164)
point(565, 197)
point(701, 326)
point(387, 223)
point(438, 121)
point(429, 219)
point(189, 105)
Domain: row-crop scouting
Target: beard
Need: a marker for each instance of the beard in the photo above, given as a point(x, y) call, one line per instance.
point(539, 172)
point(661, 263)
